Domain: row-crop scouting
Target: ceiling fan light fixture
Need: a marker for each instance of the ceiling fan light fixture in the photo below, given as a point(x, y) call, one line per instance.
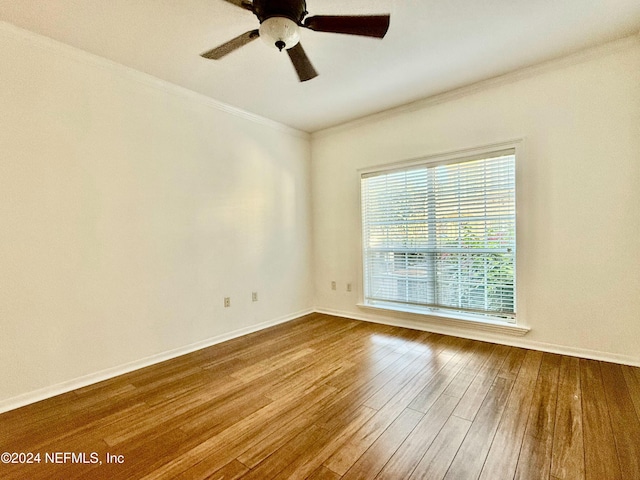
point(280, 32)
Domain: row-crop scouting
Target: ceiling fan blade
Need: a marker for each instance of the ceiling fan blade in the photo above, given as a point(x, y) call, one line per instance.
point(301, 63)
point(242, 4)
point(226, 48)
point(367, 25)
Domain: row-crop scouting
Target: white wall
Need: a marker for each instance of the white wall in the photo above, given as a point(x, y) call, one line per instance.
point(128, 209)
point(579, 197)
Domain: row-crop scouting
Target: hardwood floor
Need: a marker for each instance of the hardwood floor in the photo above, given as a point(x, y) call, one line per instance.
point(329, 398)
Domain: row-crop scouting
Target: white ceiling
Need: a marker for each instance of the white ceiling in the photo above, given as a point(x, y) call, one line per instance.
point(432, 46)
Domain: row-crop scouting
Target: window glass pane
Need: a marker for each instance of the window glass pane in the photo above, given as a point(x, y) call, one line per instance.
point(442, 236)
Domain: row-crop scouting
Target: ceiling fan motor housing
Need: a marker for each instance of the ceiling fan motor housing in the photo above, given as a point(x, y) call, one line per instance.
point(294, 10)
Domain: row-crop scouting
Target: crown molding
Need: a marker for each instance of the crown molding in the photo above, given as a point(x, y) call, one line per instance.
point(81, 56)
point(513, 76)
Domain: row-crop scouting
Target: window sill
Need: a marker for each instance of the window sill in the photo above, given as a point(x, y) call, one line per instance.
point(452, 320)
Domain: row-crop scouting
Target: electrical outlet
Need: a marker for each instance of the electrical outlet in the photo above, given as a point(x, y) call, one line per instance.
point(227, 302)
point(254, 296)
point(333, 285)
point(348, 287)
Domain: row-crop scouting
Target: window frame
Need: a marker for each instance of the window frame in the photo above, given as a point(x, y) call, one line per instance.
point(515, 147)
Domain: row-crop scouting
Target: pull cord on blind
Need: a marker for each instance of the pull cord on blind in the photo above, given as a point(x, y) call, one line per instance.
point(442, 236)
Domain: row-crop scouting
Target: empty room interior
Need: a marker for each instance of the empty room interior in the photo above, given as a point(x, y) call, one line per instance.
point(410, 249)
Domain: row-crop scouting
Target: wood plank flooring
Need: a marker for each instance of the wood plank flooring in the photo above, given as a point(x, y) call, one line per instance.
point(328, 398)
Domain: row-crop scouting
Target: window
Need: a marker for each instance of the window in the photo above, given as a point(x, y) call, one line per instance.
point(442, 237)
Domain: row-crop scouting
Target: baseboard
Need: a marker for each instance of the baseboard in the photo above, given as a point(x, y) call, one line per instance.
point(477, 334)
point(73, 384)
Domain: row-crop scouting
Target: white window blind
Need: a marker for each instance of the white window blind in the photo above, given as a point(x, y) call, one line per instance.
point(442, 237)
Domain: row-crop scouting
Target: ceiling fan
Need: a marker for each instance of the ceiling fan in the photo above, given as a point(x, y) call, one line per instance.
point(280, 21)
